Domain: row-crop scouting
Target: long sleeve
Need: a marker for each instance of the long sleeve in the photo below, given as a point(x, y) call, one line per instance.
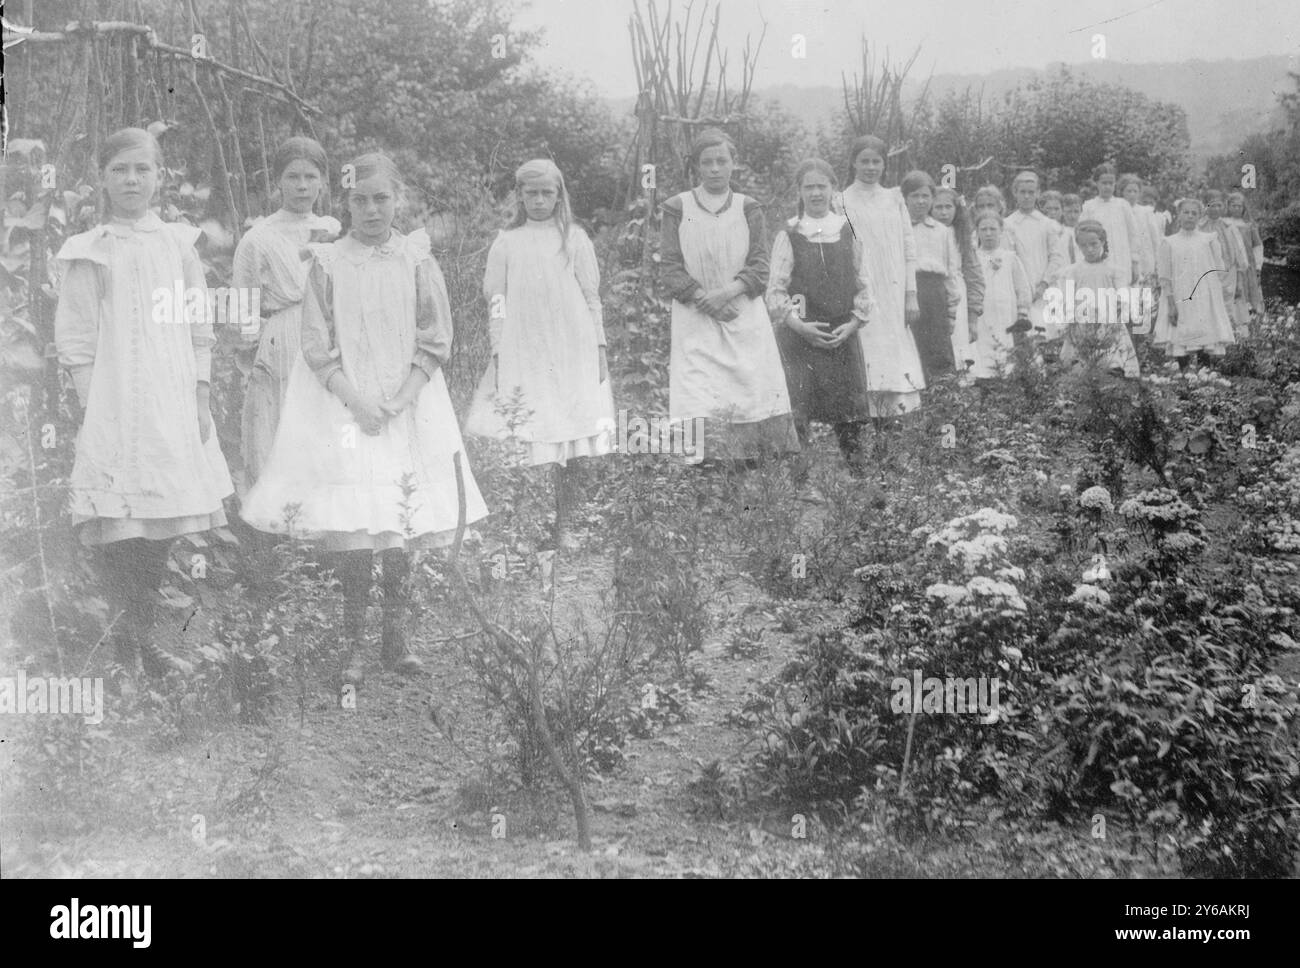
point(909, 247)
point(974, 276)
point(952, 267)
point(780, 269)
point(676, 281)
point(202, 336)
point(587, 271)
point(319, 347)
point(494, 291)
point(1020, 281)
point(1165, 264)
point(76, 321)
point(1256, 244)
point(1238, 249)
point(246, 274)
point(753, 276)
point(1056, 256)
point(433, 323)
point(1136, 238)
point(864, 300)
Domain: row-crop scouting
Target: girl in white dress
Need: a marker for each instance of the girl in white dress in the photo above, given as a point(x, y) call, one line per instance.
point(1193, 316)
point(1007, 298)
point(269, 258)
point(548, 337)
point(1120, 222)
point(1093, 336)
point(148, 466)
point(880, 222)
point(724, 365)
point(364, 457)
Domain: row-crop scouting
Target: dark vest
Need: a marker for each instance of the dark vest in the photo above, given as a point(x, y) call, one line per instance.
point(824, 274)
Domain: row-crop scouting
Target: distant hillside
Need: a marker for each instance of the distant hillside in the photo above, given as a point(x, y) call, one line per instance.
point(1225, 100)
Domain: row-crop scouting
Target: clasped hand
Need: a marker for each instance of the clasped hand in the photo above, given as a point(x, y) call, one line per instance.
point(820, 335)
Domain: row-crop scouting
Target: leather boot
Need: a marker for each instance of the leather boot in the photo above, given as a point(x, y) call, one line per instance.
point(354, 573)
point(396, 652)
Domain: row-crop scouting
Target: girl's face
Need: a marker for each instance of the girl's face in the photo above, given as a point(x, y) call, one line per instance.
point(1149, 197)
point(1188, 216)
point(300, 186)
point(815, 192)
point(1106, 186)
point(1090, 245)
point(1026, 193)
point(919, 202)
point(1236, 207)
point(540, 196)
point(716, 166)
point(989, 233)
point(944, 209)
point(985, 202)
point(131, 178)
point(372, 203)
point(1214, 208)
point(1071, 213)
point(1052, 209)
point(868, 166)
point(1132, 193)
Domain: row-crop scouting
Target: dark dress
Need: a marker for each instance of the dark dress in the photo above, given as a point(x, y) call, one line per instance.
point(825, 385)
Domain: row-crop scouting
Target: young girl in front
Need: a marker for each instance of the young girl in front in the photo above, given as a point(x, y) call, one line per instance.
point(1007, 298)
point(1193, 316)
point(547, 335)
point(269, 258)
point(363, 460)
point(949, 210)
point(148, 467)
point(1092, 336)
point(938, 274)
point(879, 220)
point(818, 296)
point(1120, 222)
point(724, 364)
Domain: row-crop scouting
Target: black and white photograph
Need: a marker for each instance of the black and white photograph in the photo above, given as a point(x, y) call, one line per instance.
point(651, 439)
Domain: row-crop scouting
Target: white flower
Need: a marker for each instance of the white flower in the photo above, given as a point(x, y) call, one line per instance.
point(1011, 573)
point(1097, 498)
point(951, 594)
point(1089, 594)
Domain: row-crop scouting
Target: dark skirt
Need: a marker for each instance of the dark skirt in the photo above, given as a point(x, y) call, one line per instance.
point(933, 337)
point(825, 385)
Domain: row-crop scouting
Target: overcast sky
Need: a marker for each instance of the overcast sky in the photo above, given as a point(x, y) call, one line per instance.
point(589, 38)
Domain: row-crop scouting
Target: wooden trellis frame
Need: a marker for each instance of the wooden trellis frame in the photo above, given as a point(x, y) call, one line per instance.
point(146, 58)
point(147, 65)
point(675, 99)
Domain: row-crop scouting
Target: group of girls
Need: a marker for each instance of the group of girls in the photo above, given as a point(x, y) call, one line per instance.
point(349, 438)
